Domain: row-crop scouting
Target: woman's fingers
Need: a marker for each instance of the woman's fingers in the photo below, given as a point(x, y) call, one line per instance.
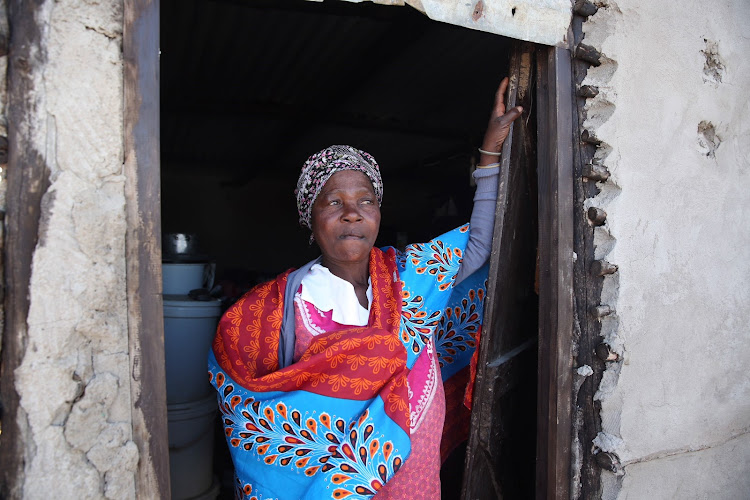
point(500, 120)
point(511, 115)
point(500, 97)
point(505, 120)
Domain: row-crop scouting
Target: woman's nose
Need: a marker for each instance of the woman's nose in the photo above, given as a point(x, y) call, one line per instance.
point(351, 213)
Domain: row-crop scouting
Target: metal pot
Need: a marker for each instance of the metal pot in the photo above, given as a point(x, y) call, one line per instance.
point(181, 247)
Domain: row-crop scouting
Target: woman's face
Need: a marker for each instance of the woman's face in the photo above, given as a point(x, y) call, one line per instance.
point(346, 217)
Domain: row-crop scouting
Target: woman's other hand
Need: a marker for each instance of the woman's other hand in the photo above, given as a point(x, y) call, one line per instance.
point(498, 127)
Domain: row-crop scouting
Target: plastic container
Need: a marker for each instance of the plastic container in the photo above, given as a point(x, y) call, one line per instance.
point(189, 329)
point(211, 493)
point(191, 448)
point(179, 279)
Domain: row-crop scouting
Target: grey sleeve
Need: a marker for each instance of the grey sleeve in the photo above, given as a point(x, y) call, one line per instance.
point(482, 223)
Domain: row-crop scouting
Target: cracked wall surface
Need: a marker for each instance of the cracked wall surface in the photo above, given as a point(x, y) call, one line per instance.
point(73, 381)
point(672, 111)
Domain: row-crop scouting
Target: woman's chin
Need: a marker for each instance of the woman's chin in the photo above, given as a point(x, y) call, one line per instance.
point(350, 251)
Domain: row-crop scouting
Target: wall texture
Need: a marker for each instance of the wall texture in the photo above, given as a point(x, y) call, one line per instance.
point(672, 112)
point(73, 381)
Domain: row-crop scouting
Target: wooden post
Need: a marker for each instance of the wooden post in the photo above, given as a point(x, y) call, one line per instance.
point(143, 246)
point(556, 313)
point(27, 181)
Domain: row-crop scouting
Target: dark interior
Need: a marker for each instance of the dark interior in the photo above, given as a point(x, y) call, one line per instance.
point(250, 89)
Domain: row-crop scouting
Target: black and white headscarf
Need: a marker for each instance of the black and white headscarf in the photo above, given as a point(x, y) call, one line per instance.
point(322, 165)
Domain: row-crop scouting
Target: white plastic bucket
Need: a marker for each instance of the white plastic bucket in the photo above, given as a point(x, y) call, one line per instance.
point(191, 448)
point(189, 328)
point(179, 279)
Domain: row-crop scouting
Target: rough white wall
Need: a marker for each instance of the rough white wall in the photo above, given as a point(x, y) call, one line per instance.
point(73, 381)
point(673, 111)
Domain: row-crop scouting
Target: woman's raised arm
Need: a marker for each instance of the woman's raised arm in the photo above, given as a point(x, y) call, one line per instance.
point(483, 214)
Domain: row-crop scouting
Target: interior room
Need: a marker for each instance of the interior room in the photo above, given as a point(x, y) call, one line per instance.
point(250, 89)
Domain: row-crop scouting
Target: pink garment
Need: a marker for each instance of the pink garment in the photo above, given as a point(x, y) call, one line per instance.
point(419, 478)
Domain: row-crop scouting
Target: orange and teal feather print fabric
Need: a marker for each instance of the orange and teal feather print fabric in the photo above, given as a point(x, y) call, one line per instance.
point(336, 423)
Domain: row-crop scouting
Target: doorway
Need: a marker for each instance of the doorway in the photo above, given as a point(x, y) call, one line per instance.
point(141, 135)
point(249, 90)
point(553, 91)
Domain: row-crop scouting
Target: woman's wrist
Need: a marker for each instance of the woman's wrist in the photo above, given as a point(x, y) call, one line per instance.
point(488, 159)
point(488, 154)
point(489, 165)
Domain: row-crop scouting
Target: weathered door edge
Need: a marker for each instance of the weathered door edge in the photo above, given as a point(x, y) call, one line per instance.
point(27, 181)
point(556, 260)
point(497, 342)
point(556, 313)
point(143, 246)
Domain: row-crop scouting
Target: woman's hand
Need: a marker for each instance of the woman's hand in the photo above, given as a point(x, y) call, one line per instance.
point(499, 126)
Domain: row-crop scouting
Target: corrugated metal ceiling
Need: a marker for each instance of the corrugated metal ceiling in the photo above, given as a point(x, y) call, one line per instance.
point(253, 87)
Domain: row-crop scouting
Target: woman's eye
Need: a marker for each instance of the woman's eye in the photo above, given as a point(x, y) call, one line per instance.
point(367, 202)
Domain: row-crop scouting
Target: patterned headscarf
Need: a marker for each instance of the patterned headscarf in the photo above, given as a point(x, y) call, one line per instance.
point(322, 165)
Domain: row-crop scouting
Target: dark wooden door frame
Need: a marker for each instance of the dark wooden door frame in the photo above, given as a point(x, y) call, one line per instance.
point(556, 261)
point(26, 183)
point(143, 246)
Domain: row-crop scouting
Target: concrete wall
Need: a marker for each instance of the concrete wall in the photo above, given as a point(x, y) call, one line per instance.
point(672, 111)
point(73, 381)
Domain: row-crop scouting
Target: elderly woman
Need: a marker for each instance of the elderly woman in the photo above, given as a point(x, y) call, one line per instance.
point(328, 377)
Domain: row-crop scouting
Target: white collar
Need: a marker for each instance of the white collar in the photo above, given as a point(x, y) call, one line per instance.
point(328, 292)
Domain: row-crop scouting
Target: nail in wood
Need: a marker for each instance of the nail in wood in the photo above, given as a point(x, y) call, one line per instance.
point(602, 267)
point(585, 8)
point(590, 138)
point(589, 54)
point(607, 461)
point(595, 172)
point(605, 353)
point(587, 91)
point(601, 311)
point(3, 150)
point(597, 216)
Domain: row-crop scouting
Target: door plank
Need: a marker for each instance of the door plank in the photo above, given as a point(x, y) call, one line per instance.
point(26, 183)
point(143, 246)
point(501, 398)
point(556, 313)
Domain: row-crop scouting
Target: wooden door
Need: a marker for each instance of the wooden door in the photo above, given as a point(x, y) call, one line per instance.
point(501, 449)
point(520, 439)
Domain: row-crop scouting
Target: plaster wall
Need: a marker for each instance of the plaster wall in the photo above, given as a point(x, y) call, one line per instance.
point(74, 378)
point(674, 87)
